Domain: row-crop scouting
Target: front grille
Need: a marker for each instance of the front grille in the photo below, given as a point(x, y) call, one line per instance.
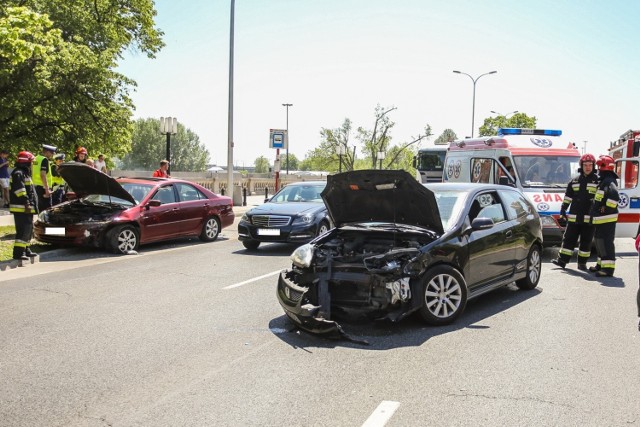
point(270, 220)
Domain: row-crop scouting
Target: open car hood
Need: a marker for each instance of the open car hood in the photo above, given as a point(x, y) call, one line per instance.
point(392, 196)
point(85, 180)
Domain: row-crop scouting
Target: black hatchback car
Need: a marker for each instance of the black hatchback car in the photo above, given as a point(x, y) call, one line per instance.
point(295, 214)
point(399, 247)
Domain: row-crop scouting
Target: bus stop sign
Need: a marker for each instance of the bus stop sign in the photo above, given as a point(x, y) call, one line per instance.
point(278, 138)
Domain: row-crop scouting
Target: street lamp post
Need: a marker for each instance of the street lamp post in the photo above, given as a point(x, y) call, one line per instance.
point(473, 108)
point(287, 139)
point(341, 152)
point(230, 107)
point(380, 158)
point(168, 126)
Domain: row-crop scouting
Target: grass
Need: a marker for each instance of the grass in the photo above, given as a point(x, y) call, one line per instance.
point(8, 235)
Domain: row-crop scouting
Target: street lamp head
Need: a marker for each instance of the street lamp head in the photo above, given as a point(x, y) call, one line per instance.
point(492, 72)
point(457, 72)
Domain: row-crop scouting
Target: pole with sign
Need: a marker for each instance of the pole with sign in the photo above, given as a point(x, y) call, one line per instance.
point(278, 139)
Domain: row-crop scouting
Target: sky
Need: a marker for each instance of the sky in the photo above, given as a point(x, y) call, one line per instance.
point(572, 64)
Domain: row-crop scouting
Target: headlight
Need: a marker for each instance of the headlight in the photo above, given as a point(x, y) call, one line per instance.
point(306, 218)
point(548, 221)
point(303, 256)
point(245, 218)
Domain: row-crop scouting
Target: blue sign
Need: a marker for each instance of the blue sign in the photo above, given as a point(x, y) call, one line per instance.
point(277, 138)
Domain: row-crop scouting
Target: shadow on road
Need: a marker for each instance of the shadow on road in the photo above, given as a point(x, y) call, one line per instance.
point(410, 332)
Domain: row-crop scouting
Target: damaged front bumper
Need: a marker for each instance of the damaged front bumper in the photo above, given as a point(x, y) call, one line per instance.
point(307, 316)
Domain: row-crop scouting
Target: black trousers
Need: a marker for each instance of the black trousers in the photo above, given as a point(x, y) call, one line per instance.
point(24, 232)
point(604, 240)
point(43, 202)
point(574, 231)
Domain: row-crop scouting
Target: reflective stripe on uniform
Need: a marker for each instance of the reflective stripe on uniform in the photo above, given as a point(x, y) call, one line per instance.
point(584, 254)
point(591, 188)
point(567, 200)
point(599, 195)
point(564, 251)
point(19, 244)
point(611, 203)
point(608, 263)
point(605, 219)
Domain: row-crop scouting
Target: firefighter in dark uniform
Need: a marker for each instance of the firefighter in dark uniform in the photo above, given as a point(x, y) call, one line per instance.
point(604, 215)
point(42, 177)
point(578, 198)
point(23, 204)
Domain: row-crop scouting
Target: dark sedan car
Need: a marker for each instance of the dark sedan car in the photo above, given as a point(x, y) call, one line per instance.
point(121, 214)
point(295, 214)
point(400, 247)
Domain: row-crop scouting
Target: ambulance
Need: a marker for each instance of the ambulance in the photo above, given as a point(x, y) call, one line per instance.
point(537, 161)
point(626, 153)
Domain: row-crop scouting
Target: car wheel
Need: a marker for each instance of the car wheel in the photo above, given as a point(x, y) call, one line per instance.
point(322, 228)
point(444, 294)
point(123, 239)
point(210, 230)
point(534, 267)
point(252, 245)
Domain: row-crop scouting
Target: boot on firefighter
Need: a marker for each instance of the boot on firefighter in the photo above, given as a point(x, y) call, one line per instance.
point(23, 204)
point(604, 216)
point(574, 212)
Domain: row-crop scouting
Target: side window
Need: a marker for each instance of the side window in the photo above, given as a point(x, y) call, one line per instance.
point(165, 195)
point(490, 207)
point(481, 170)
point(515, 204)
point(188, 193)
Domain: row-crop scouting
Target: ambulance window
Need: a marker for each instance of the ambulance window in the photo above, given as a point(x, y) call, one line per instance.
point(481, 170)
point(628, 173)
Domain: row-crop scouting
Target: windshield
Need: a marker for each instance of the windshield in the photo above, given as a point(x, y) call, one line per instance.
point(137, 191)
point(430, 161)
point(450, 205)
point(547, 171)
point(299, 193)
point(102, 198)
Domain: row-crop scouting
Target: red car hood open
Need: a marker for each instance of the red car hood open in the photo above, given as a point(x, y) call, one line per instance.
point(85, 180)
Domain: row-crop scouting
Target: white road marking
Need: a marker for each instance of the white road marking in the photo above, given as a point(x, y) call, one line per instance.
point(273, 273)
point(382, 414)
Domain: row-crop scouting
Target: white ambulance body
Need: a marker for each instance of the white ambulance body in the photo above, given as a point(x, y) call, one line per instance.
point(626, 153)
point(538, 162)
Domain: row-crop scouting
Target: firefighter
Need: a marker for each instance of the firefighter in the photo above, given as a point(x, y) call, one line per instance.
point(57, 188)
point(578, 198)
point(23, 204)
point(604, 215)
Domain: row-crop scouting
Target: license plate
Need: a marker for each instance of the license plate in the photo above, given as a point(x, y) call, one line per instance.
point(268, 231)
point(54, 231)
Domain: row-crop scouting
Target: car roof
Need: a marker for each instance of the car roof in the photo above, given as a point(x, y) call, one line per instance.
point(466, 186)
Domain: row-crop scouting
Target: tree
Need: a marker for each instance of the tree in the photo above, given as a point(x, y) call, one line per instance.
point(446, 137)
point(294, 163)
point(149, 146)
point(261, 164)
point(518, 120)
point(326, 157)
point(58, 83)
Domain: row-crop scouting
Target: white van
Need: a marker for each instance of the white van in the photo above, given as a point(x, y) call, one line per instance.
point(626, 153)
point(537, 161)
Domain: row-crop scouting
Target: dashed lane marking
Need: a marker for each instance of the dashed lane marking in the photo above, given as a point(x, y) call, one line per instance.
point(382, 414)
point(273, 273)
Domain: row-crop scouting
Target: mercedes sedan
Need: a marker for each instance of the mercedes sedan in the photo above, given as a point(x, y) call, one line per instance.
point(399, 247)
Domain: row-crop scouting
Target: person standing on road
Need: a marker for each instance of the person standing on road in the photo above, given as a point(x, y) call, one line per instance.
point(162, 171)
point(23, 205)
point(604, 215)
point(42, 176)
point(58, 183)
point(100, 164)
point(4, 177)
point(578, 198)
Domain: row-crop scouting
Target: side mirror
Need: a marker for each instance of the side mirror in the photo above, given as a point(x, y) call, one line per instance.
point(153, 203)
point(481, 223)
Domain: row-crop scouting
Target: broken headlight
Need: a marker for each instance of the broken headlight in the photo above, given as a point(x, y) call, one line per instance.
point(303, 256)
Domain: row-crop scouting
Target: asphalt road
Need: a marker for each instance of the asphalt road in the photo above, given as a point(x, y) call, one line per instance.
point(189, 333)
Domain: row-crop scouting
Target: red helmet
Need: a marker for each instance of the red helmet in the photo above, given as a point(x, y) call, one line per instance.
point(605, 163)
point(587, 158)
point(81, 150)
point(25, 157)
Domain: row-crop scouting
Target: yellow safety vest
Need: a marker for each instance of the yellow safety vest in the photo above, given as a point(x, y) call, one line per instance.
point(35, 172)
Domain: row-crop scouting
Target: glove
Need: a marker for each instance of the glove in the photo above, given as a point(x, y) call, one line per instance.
point(562, 221)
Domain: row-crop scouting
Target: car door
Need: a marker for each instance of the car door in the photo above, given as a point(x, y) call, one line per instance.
point(193, 208)
point(162, 222)
point(491, 251)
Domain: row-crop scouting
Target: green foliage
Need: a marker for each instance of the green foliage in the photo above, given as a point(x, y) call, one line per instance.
point(447, 136)
point(294, 163)
point(149, 146)
point(261, 165)
point(58, 82)
point(518, 120)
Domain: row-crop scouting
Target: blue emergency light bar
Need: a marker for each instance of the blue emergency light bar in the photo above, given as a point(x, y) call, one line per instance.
point(516, 131)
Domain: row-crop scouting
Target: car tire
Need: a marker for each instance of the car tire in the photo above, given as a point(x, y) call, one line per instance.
point(123, 239)
point(444, 295)
point(210, 229)
point(252, 245)
point(534, 267)
point(322, 228)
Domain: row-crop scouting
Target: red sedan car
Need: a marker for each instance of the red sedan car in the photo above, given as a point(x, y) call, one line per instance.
point(121, 214)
